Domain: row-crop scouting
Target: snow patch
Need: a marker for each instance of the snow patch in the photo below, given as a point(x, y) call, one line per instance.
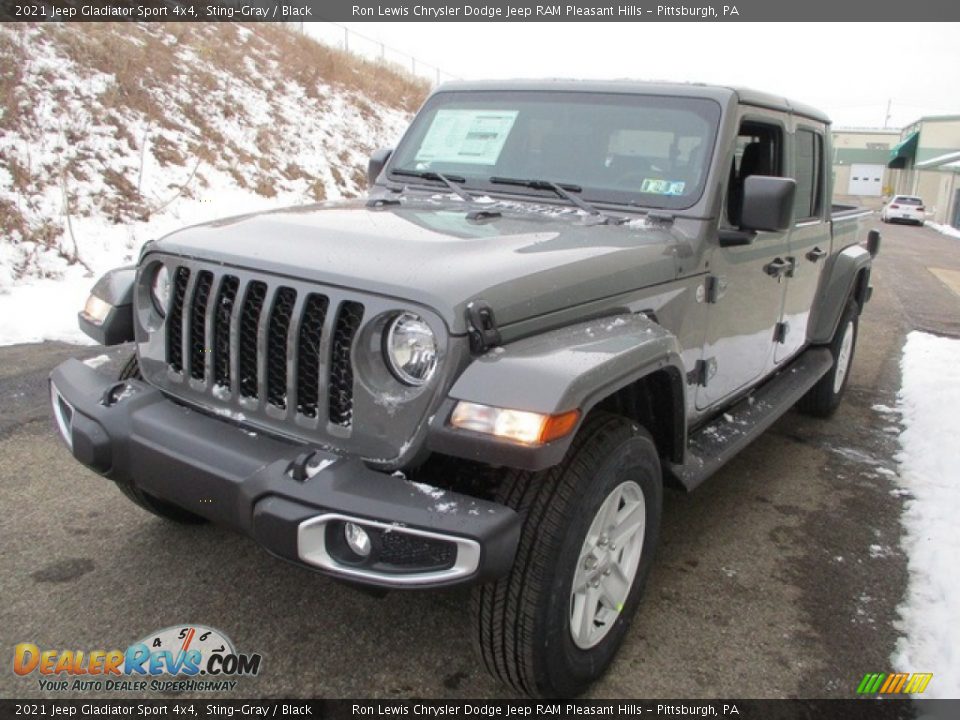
point(97, 361)
point(943, 230)
point(929, 400)
point(435, 493)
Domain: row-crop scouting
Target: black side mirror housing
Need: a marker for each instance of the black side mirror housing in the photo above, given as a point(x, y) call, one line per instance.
point(873, 242)
point(376, 163)
point(767, 203)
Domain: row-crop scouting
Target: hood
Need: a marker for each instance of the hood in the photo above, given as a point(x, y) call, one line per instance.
point(528, 261)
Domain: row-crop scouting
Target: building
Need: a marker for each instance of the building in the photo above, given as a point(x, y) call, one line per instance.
point(928, 159)
point(860, 158)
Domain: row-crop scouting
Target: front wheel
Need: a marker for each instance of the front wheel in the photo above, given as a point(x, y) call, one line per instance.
point(823, 399)
point(553, 625)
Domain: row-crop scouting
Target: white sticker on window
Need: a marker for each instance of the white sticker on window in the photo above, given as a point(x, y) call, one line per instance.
point(662, 187)
point(466, 136)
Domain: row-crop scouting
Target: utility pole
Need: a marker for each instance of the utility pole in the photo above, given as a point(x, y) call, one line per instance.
point(886, 119)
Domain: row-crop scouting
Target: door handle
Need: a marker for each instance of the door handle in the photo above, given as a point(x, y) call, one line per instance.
point(816, 255)
point(777, 267)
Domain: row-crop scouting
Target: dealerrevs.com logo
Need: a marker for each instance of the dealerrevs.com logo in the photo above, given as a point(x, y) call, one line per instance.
point(181, 658)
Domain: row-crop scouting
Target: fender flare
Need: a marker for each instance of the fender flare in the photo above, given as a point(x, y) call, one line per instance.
point(571, 368)
point(840, 281)
point(116, 289)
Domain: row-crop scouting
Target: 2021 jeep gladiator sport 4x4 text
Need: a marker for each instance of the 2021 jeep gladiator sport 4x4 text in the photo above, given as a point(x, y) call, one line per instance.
point(558, 297)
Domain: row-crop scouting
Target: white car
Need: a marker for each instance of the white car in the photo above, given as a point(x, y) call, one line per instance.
point(904, 208)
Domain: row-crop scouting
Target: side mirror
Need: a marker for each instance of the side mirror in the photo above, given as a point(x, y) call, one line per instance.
point(375, 164)
point(873, 242)
point(767, 203)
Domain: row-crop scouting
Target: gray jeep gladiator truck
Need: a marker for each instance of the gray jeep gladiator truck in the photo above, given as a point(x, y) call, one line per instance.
point(558, 298)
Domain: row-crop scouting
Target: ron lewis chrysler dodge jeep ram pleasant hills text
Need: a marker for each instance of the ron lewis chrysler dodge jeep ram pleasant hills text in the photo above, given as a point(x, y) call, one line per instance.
point(557, 298)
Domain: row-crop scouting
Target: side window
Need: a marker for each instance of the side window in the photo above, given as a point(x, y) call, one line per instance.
point(759, 152)
point(809, 175)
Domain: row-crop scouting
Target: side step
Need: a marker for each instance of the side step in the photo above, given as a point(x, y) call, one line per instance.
point(713, 444)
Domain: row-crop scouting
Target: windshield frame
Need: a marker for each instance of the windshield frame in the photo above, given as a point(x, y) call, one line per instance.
point(593, 195)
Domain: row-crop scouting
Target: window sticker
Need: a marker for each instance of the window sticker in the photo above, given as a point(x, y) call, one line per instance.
point(662, 187)
point(475, 137)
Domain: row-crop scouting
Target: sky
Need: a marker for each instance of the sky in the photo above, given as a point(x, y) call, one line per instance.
point(849, 70)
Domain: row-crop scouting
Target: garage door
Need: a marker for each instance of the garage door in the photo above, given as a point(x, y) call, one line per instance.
point(866, 180)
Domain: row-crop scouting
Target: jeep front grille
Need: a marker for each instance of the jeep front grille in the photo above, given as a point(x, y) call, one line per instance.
point(264, 344)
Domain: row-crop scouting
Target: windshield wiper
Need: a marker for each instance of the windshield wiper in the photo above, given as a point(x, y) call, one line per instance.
point(451, 181)
point(564, 190)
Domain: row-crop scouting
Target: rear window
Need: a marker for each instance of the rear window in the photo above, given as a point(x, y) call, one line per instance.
point(907, 200)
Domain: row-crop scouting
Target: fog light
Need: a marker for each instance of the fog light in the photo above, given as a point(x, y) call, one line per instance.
point(357, 539)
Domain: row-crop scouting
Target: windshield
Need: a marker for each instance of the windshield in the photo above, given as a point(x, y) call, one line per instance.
point(645, 150)
point(907, 200)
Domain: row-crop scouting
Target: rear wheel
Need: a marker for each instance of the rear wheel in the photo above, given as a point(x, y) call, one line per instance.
point(553, 625)
point(161, 508)
point(823, 399)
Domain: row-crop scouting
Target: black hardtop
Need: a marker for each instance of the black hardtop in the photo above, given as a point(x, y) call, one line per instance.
point(720, 93)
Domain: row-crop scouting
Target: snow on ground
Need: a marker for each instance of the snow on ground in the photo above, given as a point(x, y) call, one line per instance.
point(929, 460)
point(944, 229)
point(88, 175)
point(36, 309)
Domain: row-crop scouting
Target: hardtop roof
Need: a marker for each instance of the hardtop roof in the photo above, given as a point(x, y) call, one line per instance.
point(719, 93)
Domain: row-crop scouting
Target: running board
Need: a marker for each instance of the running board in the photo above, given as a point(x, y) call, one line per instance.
point(713, 444)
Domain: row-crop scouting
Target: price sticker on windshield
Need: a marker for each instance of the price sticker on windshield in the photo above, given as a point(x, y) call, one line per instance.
point(475, 137)
point(662, 187)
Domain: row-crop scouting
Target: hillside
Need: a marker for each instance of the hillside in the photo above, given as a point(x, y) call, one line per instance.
point(114, 133)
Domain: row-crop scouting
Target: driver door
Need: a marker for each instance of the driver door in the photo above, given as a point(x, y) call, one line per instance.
point(744, 297)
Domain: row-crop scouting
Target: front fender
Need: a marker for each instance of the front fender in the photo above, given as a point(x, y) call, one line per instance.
point(837, 285)
point(566, 369)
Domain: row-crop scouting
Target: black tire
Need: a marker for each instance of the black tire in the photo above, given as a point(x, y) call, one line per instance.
point(823, 399)
point(523, 621)
point(160, 508)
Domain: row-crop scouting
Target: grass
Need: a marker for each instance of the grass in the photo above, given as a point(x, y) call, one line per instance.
point(151, 101)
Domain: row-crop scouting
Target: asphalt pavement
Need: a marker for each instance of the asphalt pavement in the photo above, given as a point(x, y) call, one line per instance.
point(779, 577)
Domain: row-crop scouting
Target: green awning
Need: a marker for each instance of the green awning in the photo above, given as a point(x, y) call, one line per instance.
point(906, 149)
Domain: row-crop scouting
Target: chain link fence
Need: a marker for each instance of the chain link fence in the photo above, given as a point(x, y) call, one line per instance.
point(340, 36)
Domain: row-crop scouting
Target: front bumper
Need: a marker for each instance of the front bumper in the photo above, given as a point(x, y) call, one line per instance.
point(265, 487)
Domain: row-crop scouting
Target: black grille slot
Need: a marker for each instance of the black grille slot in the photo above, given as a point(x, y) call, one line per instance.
point(341, 370)
point(249, 325)
point(226, 298)
point(198, 324)
point(175, 320)
point(308, 354)
point(280, 317)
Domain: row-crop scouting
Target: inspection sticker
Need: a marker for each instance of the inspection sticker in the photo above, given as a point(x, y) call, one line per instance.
point(466, 136)
point(662, 187)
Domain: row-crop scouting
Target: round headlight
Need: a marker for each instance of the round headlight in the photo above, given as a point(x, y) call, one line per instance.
point(411, 349)
point(160, 289)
